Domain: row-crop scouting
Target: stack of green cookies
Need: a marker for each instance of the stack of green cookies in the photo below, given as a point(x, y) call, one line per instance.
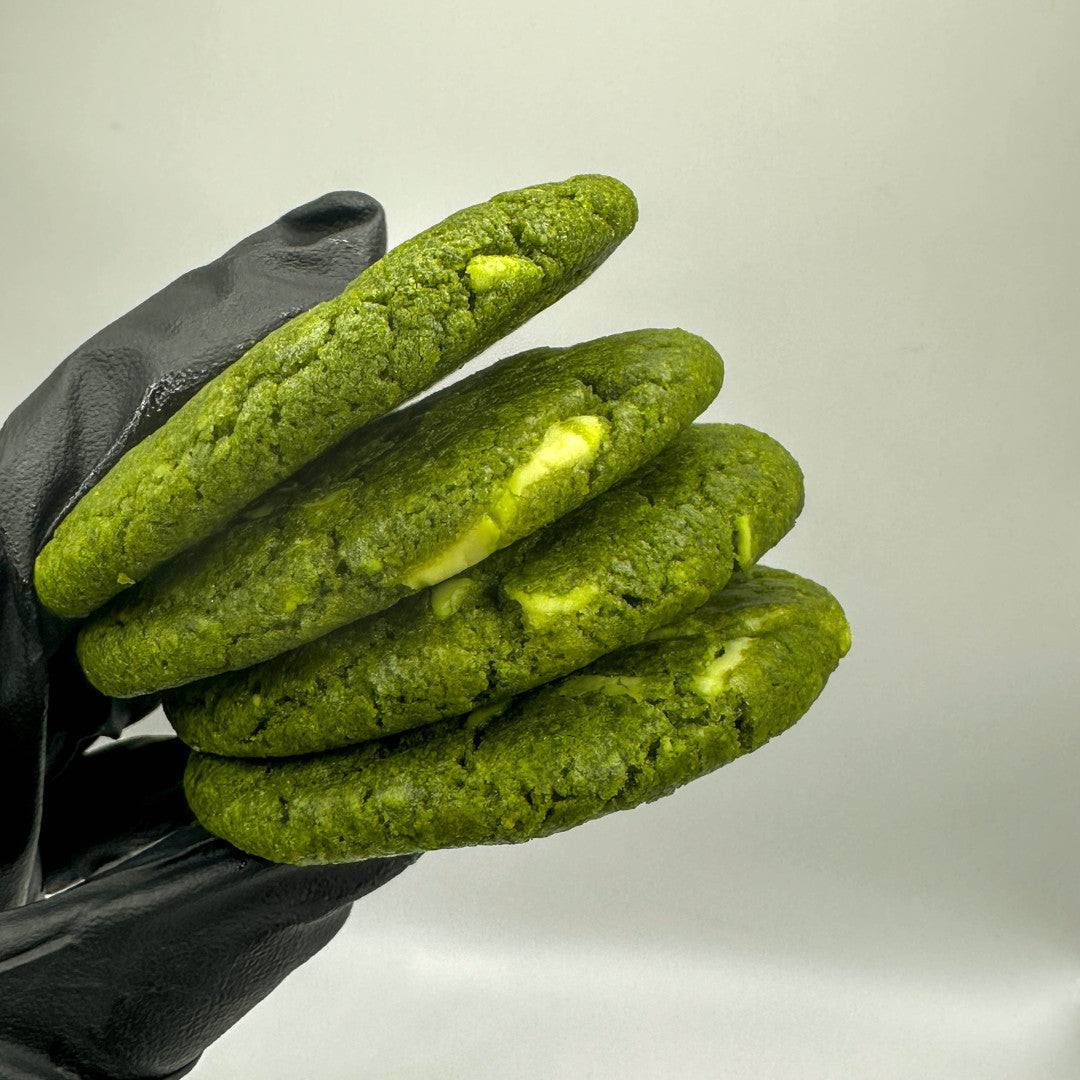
point(515, 605)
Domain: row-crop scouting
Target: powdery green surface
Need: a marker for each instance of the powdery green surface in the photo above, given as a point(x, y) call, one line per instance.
point(412, 499)
point(628, 729)
point(409, 319)
point(630, 560)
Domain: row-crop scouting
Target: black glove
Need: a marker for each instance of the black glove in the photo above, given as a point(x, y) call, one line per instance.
point(163, 936)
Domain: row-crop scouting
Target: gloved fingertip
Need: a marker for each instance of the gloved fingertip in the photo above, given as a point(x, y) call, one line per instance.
point(334, 212)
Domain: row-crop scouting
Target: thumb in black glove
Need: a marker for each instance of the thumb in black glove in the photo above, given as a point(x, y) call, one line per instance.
point(163, 936)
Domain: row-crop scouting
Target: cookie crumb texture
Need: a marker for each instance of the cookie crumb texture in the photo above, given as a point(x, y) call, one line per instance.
point(412, 317)
point(412, 499)
point(628, 729)
point(632, 559)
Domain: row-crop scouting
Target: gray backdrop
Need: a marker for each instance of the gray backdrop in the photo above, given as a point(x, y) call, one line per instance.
point(870, 209)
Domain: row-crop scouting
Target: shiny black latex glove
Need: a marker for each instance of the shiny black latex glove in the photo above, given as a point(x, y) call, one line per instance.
point(162, 936)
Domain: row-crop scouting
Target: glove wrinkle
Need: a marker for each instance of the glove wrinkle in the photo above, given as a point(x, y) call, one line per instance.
point(151, 936)
point(140, 960)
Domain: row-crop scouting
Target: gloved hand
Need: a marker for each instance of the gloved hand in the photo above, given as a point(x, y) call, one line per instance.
point(163, 936)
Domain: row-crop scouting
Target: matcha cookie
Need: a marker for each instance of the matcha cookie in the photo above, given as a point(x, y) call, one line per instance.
point(409, 319)
point(628, 729)
point(632, 559)
point(410, 500)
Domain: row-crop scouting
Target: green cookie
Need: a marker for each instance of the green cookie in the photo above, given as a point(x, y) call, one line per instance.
point(406, 502)
point(628, 729)
point(409, 319)
point(634, 558)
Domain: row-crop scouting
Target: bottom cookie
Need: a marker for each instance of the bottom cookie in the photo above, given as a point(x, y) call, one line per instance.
point(631, 727)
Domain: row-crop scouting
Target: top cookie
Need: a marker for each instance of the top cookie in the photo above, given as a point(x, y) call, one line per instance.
point(418, 313)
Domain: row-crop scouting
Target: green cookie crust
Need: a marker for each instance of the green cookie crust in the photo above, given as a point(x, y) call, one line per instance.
point(412, 499)
point(630, 728)
point(409, 319)
point(632, 559)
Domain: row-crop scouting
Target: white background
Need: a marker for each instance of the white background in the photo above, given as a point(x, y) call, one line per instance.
point(871, 210)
